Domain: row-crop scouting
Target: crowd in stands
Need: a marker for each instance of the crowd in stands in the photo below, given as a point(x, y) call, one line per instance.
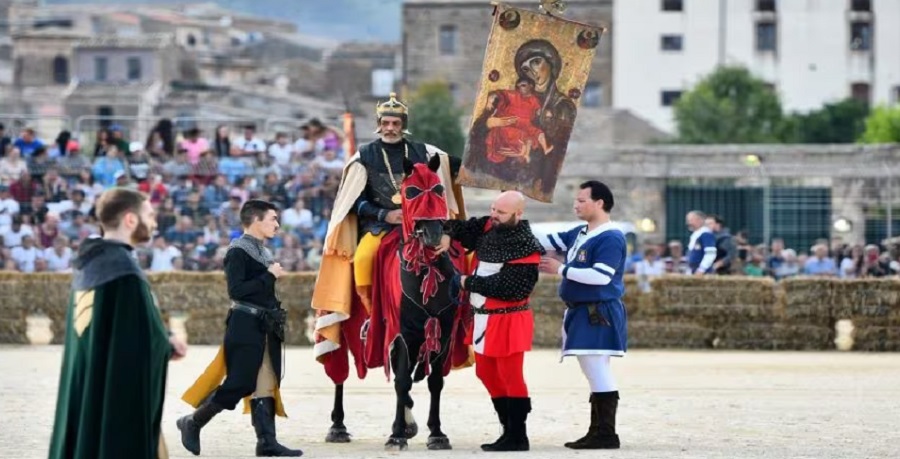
point(196, 180)
point(736, 256)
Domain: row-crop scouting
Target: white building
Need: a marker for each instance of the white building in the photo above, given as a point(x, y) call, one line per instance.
point(811, 51)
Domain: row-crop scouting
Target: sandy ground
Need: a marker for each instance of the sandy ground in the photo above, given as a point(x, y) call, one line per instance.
point(674, 405)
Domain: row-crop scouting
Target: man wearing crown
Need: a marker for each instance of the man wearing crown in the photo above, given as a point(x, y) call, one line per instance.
point(367, 208)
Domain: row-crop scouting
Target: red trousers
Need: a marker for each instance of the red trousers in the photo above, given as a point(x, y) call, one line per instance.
point(502, 376)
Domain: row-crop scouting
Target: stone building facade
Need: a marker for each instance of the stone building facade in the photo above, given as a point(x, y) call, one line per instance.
point(464, 26)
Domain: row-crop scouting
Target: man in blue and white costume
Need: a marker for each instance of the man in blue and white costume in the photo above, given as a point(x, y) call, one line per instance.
point(595, 323)
point(702, 245)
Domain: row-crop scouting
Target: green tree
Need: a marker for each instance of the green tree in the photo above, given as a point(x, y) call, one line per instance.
point(840, 122)
point(435, 119)
point(882, 125)
point(729, 106)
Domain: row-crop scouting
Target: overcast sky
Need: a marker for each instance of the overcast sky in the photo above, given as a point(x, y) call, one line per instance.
point(339, 19)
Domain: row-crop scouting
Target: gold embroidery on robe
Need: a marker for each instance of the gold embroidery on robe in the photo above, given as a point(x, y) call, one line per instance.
point(84, 310)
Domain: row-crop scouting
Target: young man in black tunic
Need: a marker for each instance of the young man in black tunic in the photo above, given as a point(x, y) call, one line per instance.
point(253, 337)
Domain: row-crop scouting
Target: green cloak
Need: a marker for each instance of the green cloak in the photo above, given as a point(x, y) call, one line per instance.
point(112, 384)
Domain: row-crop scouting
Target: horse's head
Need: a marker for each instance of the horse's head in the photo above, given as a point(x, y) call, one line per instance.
point(424, 202)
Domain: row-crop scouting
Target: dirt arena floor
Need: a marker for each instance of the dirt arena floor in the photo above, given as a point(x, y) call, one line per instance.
point(673, 405)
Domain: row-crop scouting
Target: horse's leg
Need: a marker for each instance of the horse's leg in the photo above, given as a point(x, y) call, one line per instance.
point(402, 368)
point(437, 440)
point(338, 431)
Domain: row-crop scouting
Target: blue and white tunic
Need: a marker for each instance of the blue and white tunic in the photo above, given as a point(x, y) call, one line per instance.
point(702, 250)
point(592, 278)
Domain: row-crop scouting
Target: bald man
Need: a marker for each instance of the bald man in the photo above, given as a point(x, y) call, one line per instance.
point(504, 273)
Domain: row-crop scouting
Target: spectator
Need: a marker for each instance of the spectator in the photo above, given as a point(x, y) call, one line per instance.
point(206, 169)
point(157, 190)
point(5, 141)
point(118, 139)
point(329, 163)
point(726, 250)
point(166, 216)
point(39, 163)
point(874, 265)
point(297, 217)
point(106, 167)
point(23, 189)
point(18, 230)
point(216, 194)
point(12, 166)
point(183, 231)
point(63, 144)
point(274, 188)
point(160, 142)
point(26, 255)
point(250, 145)
point(178, 167)
point(234, 168)
point(789, 267)
point(59, 256)
point(756, 266)
point(102, 143)
point(140, 163)
point(55, 187)
point(221, 145)
point(28, 143)
point(305, 148)
point(230, 214)
point(776, 256)
point(194, 208)
point(38, 209)
point(701, 245)
point(8, 207)
point(851, 263)
point(164, 254)
point(89, 186)
point(71, 165)
point(48, 231)
point(194, 146)
point(291, 255)
point(281, 152)
point(78, 228)
point(649, 267)
point(820, 264)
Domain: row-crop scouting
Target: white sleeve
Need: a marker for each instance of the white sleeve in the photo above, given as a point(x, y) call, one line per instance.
point(588, 276)
point(709, 257)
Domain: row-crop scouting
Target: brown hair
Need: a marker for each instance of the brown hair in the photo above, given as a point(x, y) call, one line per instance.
point(114, 203)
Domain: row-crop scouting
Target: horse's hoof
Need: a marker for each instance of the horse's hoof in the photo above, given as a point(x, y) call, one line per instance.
point(439, 443)
point(411, 430)
point(396, 444)
point(337, 435)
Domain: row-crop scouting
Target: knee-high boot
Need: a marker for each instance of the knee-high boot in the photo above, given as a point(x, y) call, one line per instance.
point(262, 412)
point(501, 406)
point(191, 424)
point(603, 423)
point(516, 432)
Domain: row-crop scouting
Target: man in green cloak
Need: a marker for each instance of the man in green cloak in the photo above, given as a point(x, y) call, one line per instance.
point(112, 385)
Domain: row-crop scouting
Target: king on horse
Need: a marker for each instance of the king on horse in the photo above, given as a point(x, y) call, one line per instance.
point(365, 224)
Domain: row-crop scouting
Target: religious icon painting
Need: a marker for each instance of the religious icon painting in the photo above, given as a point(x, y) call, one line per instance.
point(535, 69)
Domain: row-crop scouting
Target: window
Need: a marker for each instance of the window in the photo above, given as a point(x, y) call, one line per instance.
point(895, 94)
point(105, 113)
point(447, 40)
point(766, 36)
point(593, 94)
point(454, 92)
point(134, 68)
point(672, 5)
point(861, 5)
point(860, 92)
point(670, 97)
point(671, 42)
point(191, 40)
point(765, 5)
point(60, 70)
point(101, 67)
point(860, 36)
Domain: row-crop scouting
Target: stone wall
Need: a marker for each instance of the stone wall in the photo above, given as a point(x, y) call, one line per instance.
point(677, 312)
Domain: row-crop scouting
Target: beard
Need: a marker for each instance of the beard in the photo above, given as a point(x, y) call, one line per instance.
point(391, 137)
point(511, 223)
point(141, 234)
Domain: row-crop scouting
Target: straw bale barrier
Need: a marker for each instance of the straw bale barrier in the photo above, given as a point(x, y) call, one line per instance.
point(677, 312)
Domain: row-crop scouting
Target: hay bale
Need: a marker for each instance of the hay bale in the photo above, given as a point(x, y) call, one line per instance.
point(774, 336)
point(713, 301)
point(680, 335)
point(808, 300)
point(876, 338)
point(876, 300)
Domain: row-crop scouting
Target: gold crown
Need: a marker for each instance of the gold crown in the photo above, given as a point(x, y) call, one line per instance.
point(392, 107)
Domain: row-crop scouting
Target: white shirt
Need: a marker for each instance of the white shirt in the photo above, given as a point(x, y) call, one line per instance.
point(25, 258)
point(297, 219)
point(281, 153)
point(12, 239)
point(56, 262)
point(162, 258)
point(8, 207)
point(255, 145)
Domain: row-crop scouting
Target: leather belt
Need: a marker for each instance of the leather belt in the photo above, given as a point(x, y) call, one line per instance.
point(595, 317)
point(483, 310)
point(249, 309)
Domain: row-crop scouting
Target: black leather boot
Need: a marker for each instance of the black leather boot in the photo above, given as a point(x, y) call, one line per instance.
point(262, 412)
point(516, 432)
point(603, 414)
point(191, 424)
point(501, 405)
point(592, 430)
